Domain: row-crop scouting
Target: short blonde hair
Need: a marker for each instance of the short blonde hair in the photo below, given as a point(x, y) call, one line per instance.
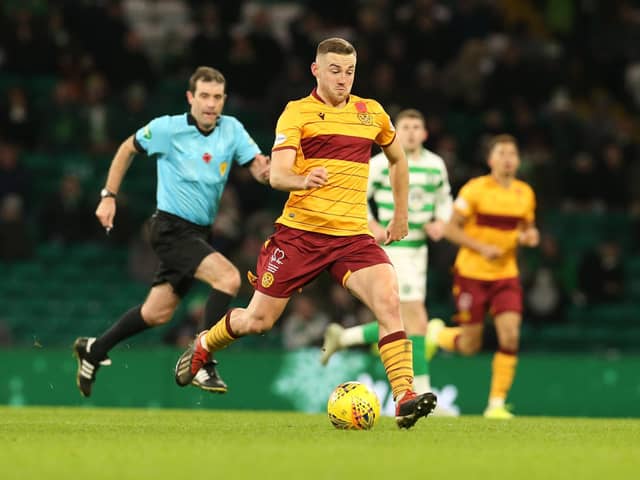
point(335, 45)
point(410, 113)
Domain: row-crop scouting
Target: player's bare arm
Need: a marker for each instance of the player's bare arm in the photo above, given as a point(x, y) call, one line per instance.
point(259, 168)
point(106, 210)
point(282, 176)
point(529, 236)
point(454, 233)
point(398, 227)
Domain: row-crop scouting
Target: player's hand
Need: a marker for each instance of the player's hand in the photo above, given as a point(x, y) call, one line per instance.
point(435, 230)
point(396, 230)
point(262, 168)
point(106, 212)
point(490, 252)
point(529, 237)
point(379, 233)
point(317, 177)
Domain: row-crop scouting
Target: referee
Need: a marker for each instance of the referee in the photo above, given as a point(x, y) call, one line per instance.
point(194, 154)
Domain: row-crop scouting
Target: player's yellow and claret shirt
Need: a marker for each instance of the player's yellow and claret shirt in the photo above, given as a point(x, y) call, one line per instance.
point(495, 215)
point(339, 139)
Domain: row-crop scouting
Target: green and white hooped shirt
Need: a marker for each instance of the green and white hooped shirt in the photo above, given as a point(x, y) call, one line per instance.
point(429, 194)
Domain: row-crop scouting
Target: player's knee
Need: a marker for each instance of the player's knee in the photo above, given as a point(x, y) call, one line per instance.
point(388, 302)
point(259, 324)
point(157, 316)
point(229, 282)
point(234, 281)
point(469, 345)
point(510, 341)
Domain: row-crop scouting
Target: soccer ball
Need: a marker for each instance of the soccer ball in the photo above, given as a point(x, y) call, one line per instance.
point(352, 406)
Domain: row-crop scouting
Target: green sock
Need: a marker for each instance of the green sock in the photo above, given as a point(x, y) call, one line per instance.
point(370, 332)
point(420, 363)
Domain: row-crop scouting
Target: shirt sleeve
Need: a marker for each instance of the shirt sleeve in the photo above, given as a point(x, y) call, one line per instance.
point(376, 166)
point(466, 203)
point(444, 202)
point(387, 130)
point(245, 147)
point(288, 129)
point(530, 216)
point(153, 138)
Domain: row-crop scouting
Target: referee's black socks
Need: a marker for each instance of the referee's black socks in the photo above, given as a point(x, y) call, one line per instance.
point(130, 324)
point(217, 305)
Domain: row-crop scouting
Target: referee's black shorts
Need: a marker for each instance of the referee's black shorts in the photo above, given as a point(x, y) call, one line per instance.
point(181, 246)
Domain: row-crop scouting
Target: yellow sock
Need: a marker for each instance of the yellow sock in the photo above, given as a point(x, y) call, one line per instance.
point(397, 358)
point(503, 371)
point(220, 335)
point(448, 337)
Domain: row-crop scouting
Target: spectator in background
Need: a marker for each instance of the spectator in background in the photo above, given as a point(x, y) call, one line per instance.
point(133, 112)
point(614, 178)
point(66, 126)
point(343, 307)
point(189, 325)
point(305, 325)
point(132, 66)
point(15, 239)
point(97, 113)
point(635, 225)
point(66, 214)
point(17, 120)
point(244, 68)
point(212, 36)
point(14, 177)
point(227, 227)
point(601, 276)
point(26, 49)
point(290, 83)
point(546, 297)
point(142, 260)
point(271, 57)
point(582, 185)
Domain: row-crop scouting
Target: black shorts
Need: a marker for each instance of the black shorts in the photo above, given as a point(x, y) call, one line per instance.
point(181, 246)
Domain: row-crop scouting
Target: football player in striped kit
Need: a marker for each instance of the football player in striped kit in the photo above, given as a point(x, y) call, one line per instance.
point(493, 215)
point(321, 156)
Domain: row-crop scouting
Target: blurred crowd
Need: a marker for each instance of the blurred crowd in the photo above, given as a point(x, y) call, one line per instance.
point(563, 76)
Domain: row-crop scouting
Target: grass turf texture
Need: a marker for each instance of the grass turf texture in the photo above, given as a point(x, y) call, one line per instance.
point(93, 443)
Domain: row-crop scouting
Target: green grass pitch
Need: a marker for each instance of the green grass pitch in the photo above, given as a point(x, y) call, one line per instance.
point(94, 443)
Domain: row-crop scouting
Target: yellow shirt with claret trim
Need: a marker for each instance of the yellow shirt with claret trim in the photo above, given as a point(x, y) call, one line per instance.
point(340, 140)
point(494, 215)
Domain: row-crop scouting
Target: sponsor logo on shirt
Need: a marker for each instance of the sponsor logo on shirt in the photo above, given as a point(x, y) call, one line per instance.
point(280, 138)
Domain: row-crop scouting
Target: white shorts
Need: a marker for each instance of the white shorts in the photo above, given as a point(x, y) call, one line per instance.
point(411, 269)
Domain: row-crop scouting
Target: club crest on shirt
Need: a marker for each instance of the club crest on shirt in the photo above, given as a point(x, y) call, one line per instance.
point(267, 279)
point(223, 168)
point(365, 119)
point(206, 157)
point(364, 116)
